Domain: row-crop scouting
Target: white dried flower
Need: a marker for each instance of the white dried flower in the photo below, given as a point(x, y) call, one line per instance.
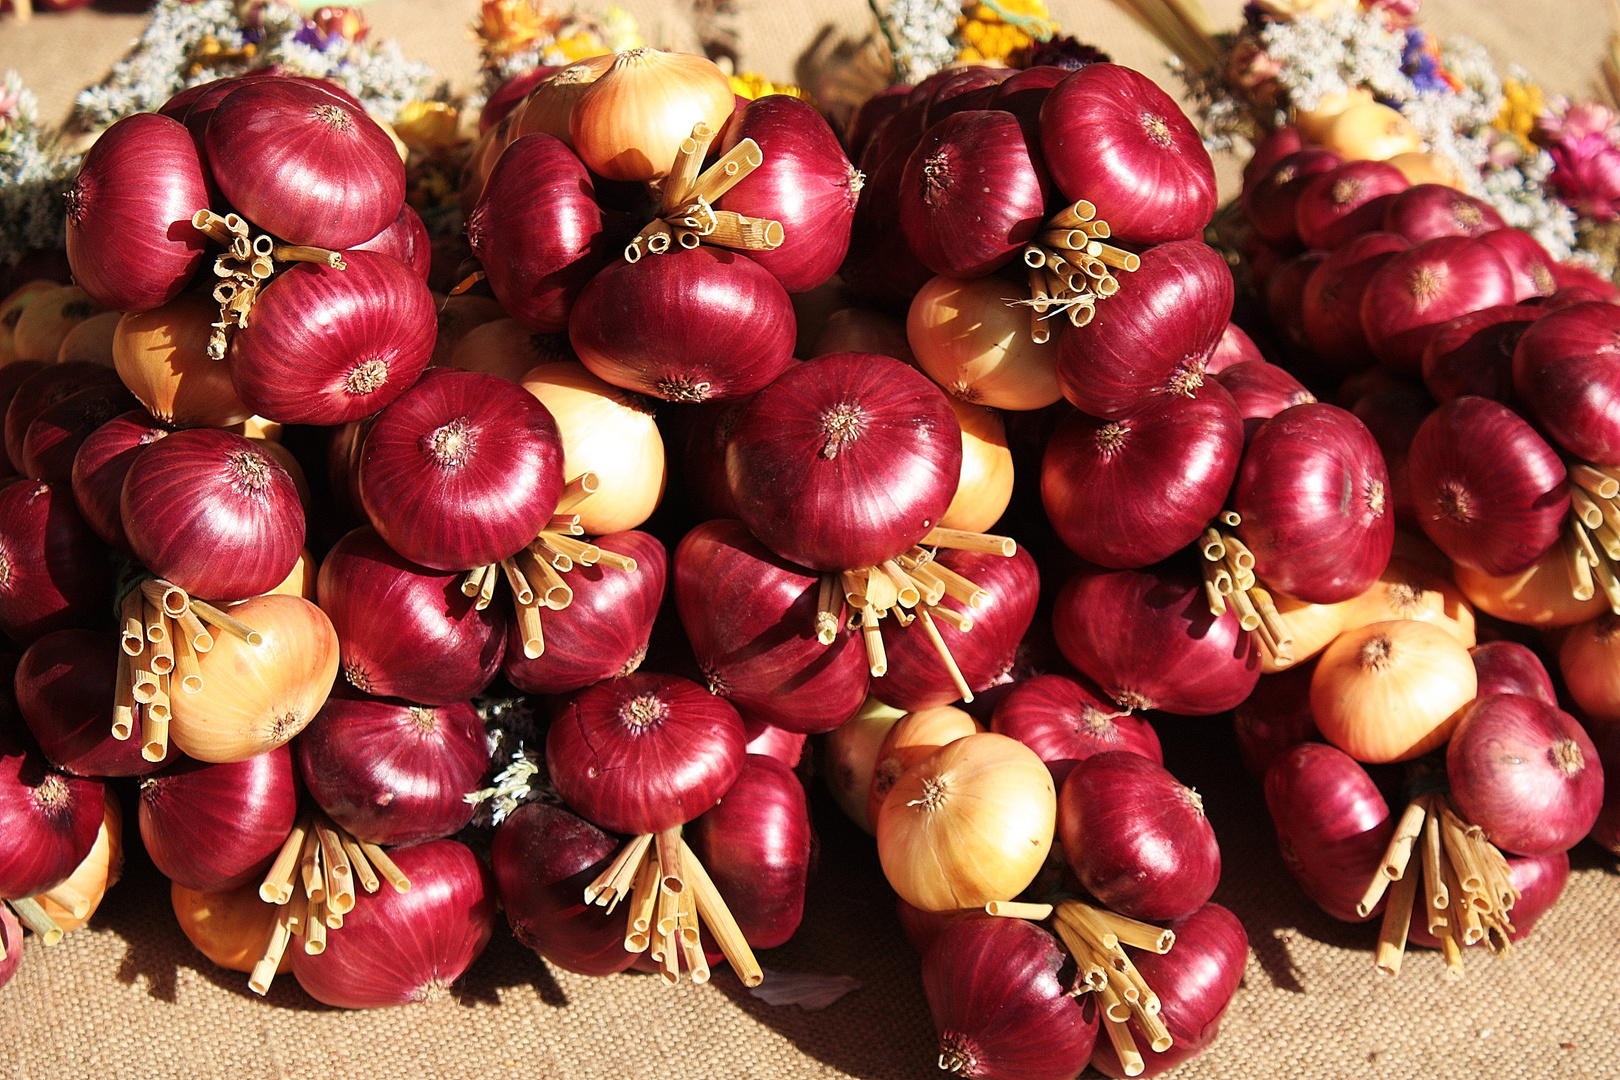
point(919, 34)
point(34, 175)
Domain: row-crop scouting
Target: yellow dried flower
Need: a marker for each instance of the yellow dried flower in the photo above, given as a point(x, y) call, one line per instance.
point(505, 27)
point(751, 84)
point(1522, 102)
point(993, 30)
point(428, 126)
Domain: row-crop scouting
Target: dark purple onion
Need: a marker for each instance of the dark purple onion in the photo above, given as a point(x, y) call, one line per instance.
point(66, 683)
point(1332, 825)
point(756, 846)
point(53, 570)
point(213, 828)
point(1065, 721)
point(1506, 667)
point(1473, 354)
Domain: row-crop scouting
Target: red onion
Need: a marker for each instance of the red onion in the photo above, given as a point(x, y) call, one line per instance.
point(1394, 412)
point(1574, 275)
point(806, 183)
point(406, 240)
point(129, 234)
point(99, 468)
point(329, 346)
point(1332, 824)
point(1152, 338)
point(65, 683)
point(50, 821)
point(212, 513)
point(1275, 718)
point(756, 846)
point(604, 632)
point(1351, 200)
point(1473, 354)
point(1136, 838)
point(1564, 372)
point(57, 433)
point(1135, 490)
point(880, 266)
point(1023, 92)
point(510, 94)
point(1285, 300)
point(973, 193)
point(1606, 830)
point(1112, 137)
point(11, 937)
point(214, 828)
point(1269, 202)
point(1261, 391)
point(1420, 289)
point(535, 229)
point(1272, 148)
point(703, 462)
point(1331, 304)
point(1540, 882)
point(12, 377)
point(999, 1006)
point(1313, 494)
point(46, 387)
point(1065, 721)
point(301, 162)
point(1506, 667)
point(1195, 982)
point(985, 653)
point(396, 948)
point(53, 570)
point(964, 89)
point(544, 857)
point(1427, 211)
point(923, 928)
point(1235, 347)
point(1567, 296)
point(1485, 487)
point(1146, 637)
point(1526, 773)
point(751, 618)
point(767, 740)
point(1263, 261)
point(390, 772)
point(405, 630)
point(845, 461)
point(1531, 265)
point(462, 470)
point(645, 753)
point(876, 109)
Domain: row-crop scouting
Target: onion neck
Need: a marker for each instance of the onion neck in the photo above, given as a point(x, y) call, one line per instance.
point(450, 445)
point(1191, 797)
point(424, 720)
point(841, 424)
point(642, 711)
point(934, 793)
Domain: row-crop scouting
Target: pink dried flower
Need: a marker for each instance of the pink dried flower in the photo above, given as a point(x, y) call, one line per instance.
point(1584, 144)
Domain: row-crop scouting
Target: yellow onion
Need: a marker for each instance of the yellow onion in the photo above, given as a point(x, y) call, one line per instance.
point(968, 824)
point(457, 317)
point(230, 928)
point(507, 349)
point(162, 356)
point(1590, 661)
point(607, 431)
point(1313, 124)
point(91, 340)
point(1370, 131)
point(851, 753)
point(860, 330)
point(1313, 627)
point(986, 486)
point(257, 427)
point(630, 122)
point(1423, 167)
point(1539, 596)
point(71, 903)
point(11, 310)
point(256, 697)
point(547, 109)
point(49, 319)
point(1406, 591)
point(480, 163)
point(974, 344)
point(916, 735)
point(301, 580)
point(1391, 691)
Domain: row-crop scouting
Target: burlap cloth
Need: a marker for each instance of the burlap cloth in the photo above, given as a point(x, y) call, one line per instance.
point(128, 997)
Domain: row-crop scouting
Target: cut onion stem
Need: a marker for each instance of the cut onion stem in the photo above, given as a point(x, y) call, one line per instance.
point(1071, 269)
point(31, 915)
point(686, 215)
point(1229, 577)
point(1592, 533)
point(245, 266)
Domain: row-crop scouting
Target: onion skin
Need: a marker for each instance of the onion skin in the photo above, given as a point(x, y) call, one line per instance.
point(1147, 639)
point(1563, 372)
point(779, 744)
point(1332, 823)
point(1531, 265)
point(999, 1006)
point(735, 334)
point(810, 454)
point(1587, 660)
point(398, 948)
point(917, 677)
point(1407, 591)
point(129, 234)
point(57, 433)
point(1350, 200)
point(214, 828)
point(1152, 338)
point(1506, 667)
point(535, 231)
point(96, 873)
point(1539, 596)
point(1426, 211)
point(977, 347)
point(329, 346)
point(1136, 838)
point(756, 846)
point(544, 857)
point(751, 619)
point(1112, 137)
point(212, 513)
point(230, 928)
point(1314, 626)
point(406, 240)
point(50, 821)
point(1473, 354)
point(915, 736)
point(1275, 718)
point(65, 686)
point(1261, 391)
point(390, 615)
point(645, 753)
point(1526, 773)
point(1391, 691)
point(1269, 202)
point(1195, 982)
point(55, 572)
point(1420, 289)
point(986, 486)
point(162, 356)
point(1313, 495)
point(1135, 490)
point(303, 163)
point(1066, 721)
point(1486, 488)
point(42, 389)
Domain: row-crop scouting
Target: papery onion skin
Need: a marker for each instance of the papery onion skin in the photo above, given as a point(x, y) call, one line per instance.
point(1391, 691)
point(398, 948)
point(1065, 721)
point(1136, 838)
point(1332, 825)
point(735, 333)
point(550, 105)
point(405, 630)
point(985, 488)
point(1526, 773)
point(631, 121)
point(1269, 202)
point(1426, 211)
point(53, 569)
point(1406, 590)
point(1422, 288)
point(923, 928)
point(751, 619)
point(1312, 492)
point(66, 683)
point(129, 234)
point(767, 740)
point(999, 1006)
point(1486, 488)
point(1275, 718)
point(162, 356)
point(1587, 660)
point(1506, 667)
point(213, 828)
point(50, 821)
point(1473, 354)
point(1313, 626)
point(1112, 137)
point(977, 347)
point(756, 846)
point(329, 346)
point(877, 108)
point(543, 858)
point(1350, 200)
point(645, 753)
point(406, 239)
point(1563, 370)
point(390, 772)
point(850, 758)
